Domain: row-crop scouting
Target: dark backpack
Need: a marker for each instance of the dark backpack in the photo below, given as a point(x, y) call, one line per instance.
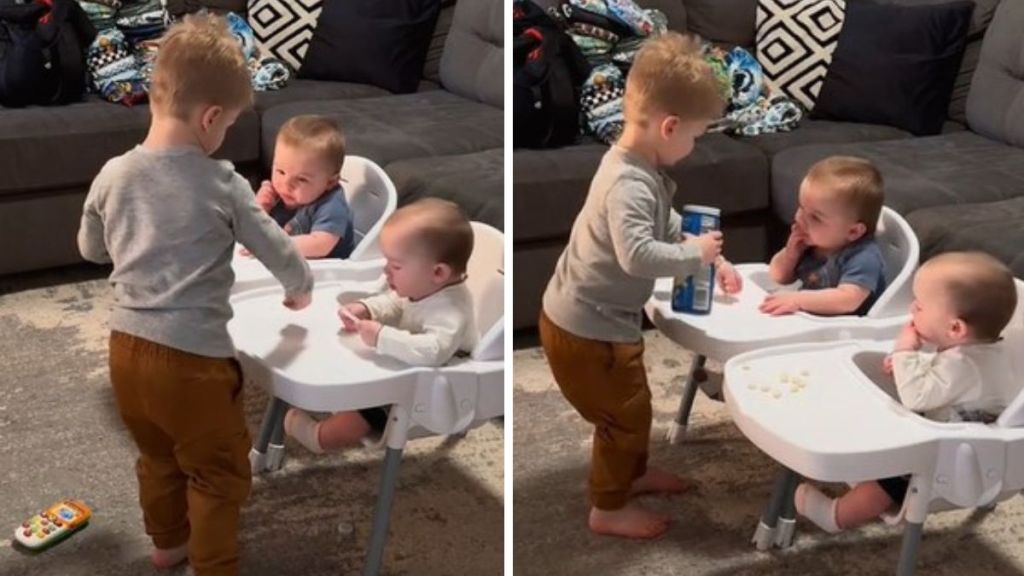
point(548, 73)
point(42, 52)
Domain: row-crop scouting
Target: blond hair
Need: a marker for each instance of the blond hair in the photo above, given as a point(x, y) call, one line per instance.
point(440, 228)
point(980, 289)
point(856, 182)
point(669, 76)
point(200, 63)
point(319, 134)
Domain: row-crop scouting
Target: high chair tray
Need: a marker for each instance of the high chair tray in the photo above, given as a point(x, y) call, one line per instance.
point(839, 421)
point(735, 325)
point(251, 273)
point(306, 359)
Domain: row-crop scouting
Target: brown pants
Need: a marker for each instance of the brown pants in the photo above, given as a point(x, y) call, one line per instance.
point(607, 384)
point(184, 412)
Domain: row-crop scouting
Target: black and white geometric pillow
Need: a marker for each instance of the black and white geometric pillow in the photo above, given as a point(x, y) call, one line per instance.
point(795, 41)
point(285, 27)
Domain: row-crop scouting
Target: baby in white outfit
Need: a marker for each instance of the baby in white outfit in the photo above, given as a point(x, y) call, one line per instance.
point(425, 318)
point(962, 303)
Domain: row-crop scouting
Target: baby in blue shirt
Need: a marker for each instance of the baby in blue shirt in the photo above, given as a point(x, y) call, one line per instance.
point(304, 194)
point(831, 247)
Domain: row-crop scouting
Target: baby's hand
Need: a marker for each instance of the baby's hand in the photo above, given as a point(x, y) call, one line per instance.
point(781, 303)
point(728, 278)
point(266, 197)
point(245, 252)
point(351, 314)
point(368, 331)
point(710, 244)
point(887, 365)
point(908, 338)
point(797, 241)
point(298, 302)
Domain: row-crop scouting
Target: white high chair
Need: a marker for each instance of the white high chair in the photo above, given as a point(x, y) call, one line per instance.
point(845, 425)
point(735, 325)
point(305, 359)
point(371, 197)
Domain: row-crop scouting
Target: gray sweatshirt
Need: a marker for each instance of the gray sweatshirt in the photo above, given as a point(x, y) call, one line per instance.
point(168, 220)
point(626, 236)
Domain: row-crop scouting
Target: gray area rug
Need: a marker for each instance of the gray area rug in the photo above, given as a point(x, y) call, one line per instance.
point(61, 437)
point(711, 528)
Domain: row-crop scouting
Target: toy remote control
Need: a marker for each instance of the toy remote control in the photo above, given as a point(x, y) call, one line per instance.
point(53, 524)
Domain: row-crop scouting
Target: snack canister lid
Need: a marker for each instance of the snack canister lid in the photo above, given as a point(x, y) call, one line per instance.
point(698, 209)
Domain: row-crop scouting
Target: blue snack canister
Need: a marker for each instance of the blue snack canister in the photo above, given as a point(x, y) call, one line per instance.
point(693, 294)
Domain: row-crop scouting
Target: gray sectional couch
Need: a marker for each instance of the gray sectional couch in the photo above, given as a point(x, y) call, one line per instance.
point(955, 188)
point(444, 140)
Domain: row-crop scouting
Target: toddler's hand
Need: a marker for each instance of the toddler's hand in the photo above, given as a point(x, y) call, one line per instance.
point(245, 252)
point(908, 338)
point(351, 314)
point(710, 245)
point(266, 197)
point(728, 278)
point(298, 302)
point(781, 303)
point(887, 365)
point(368, 331)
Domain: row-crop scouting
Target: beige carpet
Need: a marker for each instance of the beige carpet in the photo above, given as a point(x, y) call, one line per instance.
point(60, 436)
point(711, 529)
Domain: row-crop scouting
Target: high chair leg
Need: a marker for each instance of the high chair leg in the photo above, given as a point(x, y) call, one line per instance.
point(786, 527)
point(677, 429)
point(275, 449)
point(785, 485)
point(908, 552)
point(382, 513)
point(272, 418)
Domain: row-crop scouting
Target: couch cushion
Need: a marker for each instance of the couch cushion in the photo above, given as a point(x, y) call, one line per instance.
point(473, 181)
point(299, 90)
point(729, 22)
point(955, 168)
point(549, 186)
point(63, 146)
point(993, 227)
point(367, 41)
point(980, 19)
point(390, 128)
point(896, 65)
point(995, 105)
point(472, 64)
point(432, 67)
point(824, 132)
point(674, 11)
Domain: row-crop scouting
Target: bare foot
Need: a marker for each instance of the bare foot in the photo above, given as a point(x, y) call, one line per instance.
point(658, 480)
point(628, 522)
point(164, 559)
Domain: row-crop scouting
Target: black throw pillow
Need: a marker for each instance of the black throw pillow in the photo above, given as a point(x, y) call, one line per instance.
point(896, 65)
point(379, 42)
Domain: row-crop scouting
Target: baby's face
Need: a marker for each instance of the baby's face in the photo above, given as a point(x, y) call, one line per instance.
point(300, 176)
point(827, 222)
point(932, 313)
point(409, 271)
